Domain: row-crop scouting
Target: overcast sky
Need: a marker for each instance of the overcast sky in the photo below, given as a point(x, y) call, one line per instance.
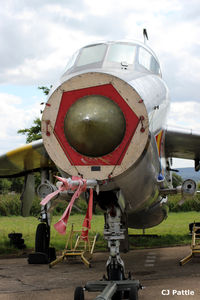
point(38, 37)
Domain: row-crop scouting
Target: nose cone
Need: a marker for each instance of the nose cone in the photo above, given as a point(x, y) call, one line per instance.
point(94, 125)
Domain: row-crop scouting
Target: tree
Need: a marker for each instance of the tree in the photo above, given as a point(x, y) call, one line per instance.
point(5, 185)
point(45, 89)
point(176, 180)
point(17, 184)
point(34, 132)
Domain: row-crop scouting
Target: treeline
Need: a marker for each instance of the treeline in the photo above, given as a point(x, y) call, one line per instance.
point(11, 184)
point(189, 204)
point(16, 185)
point(10, 205)
point(11, 189)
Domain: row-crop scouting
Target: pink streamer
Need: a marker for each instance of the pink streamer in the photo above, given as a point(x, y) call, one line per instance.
point(87, 221)
point(61, 225)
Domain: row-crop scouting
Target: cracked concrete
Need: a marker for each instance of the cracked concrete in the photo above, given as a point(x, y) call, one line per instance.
point(19, 280)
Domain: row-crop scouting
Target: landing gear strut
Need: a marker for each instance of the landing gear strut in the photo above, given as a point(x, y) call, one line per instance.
point(115, 286)
point(113, 233)
point(43, 253)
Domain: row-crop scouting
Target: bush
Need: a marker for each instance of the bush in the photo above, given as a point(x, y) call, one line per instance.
point(10, 205)
point(176, 180)
point(189, 205)
point(36, 207)
point(5, 185)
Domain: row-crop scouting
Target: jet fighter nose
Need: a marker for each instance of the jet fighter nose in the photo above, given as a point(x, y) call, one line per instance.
point(94, 125)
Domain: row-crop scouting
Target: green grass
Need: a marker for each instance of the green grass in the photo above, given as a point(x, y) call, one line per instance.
point(173, 231)
point(176, 223)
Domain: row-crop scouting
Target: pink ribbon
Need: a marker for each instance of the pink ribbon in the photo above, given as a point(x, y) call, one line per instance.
point(87, 221)
point(65, 186)
point(61, 225)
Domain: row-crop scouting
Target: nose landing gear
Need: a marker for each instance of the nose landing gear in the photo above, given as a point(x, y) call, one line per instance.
point(115, 286)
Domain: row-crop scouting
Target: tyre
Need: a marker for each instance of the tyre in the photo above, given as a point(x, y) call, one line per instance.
point(42, 238)
point(18, 242)
point(79, 293)
point(38, 258)
point(133, 294)
point(117, 296)
point(52, 254)
point(15, 236)
point(116, 274)
point(23, 246)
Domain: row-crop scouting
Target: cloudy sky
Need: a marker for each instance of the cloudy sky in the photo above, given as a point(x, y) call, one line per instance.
point(38, 37)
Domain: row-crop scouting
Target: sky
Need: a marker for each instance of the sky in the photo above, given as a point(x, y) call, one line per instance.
point(37, 38)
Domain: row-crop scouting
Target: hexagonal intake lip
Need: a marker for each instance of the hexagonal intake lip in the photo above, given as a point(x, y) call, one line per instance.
point(113, 158)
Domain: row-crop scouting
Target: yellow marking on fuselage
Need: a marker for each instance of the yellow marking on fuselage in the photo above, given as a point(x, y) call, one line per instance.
point(158, 141)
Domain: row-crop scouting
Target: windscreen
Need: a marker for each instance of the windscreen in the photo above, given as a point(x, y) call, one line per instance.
point(121, 53)
point(92, 54)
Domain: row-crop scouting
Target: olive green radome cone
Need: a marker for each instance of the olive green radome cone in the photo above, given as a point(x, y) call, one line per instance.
point(94, 125)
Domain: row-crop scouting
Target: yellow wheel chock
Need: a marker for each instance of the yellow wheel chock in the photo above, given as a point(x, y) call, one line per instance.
point(82, 249)
point(195, 246)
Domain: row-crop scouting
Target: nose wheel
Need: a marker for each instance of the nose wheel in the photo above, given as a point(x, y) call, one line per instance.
point(79, 293)
point(133, 294)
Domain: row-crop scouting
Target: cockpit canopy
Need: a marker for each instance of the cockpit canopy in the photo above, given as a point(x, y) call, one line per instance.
point(121, 55)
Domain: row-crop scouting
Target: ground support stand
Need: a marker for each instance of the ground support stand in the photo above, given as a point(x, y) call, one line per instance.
point(82, 249)
point(195, 245)
point(129, 289)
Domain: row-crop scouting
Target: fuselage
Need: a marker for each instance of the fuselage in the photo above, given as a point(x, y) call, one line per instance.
point(105, 120)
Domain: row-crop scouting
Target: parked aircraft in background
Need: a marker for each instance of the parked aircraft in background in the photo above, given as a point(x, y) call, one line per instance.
point(105, 123)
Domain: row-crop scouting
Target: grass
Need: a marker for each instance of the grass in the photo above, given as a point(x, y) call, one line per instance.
point(173, 231)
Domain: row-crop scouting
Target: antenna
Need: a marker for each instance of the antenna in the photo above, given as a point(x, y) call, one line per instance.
point(145, 35)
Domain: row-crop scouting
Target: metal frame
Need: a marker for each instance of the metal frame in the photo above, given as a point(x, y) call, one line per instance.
point(109, 288)
point(85, 253)
point(195, 246)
